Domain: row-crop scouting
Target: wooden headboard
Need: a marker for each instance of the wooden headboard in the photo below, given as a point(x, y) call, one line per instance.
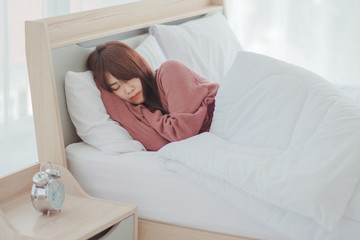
point(52, 40)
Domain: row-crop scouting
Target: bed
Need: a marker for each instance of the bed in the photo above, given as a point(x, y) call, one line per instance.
point(176, 199)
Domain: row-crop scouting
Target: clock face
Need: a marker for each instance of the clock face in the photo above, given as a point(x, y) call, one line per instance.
point(56, 194)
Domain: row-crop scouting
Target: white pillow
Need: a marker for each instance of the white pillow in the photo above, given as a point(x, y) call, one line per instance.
point(89, 116)
point(151, 51)
point(206, 45)
point(87, 111)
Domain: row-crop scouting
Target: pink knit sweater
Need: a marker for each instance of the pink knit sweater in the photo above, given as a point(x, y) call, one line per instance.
point(189, 99)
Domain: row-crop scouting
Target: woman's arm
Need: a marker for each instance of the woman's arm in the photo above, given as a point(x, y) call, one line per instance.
point(172, 126)
point(119, 111)
point(186, 96)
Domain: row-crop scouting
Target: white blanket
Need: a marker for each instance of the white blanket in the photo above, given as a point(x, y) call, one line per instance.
point(282, 135)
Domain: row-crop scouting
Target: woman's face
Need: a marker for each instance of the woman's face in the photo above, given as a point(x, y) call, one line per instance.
point(129, 91)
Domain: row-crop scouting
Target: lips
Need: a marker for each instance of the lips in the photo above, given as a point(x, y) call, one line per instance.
point(135, 96)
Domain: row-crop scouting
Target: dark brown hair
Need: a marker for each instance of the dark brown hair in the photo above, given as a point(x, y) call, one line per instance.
point(123, 62)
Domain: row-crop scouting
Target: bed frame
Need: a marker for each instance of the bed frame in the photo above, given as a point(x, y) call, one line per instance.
point(49, 41)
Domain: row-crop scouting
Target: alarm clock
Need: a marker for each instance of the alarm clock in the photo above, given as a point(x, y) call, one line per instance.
point(47, 192)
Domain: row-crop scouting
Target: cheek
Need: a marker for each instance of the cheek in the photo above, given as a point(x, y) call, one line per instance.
point(139, 85)
point(119, 94)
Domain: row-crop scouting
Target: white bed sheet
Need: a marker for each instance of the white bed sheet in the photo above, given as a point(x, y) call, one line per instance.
point(140, 178)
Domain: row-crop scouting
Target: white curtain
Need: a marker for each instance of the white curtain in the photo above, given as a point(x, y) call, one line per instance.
point(17, 136)
point(320, 35)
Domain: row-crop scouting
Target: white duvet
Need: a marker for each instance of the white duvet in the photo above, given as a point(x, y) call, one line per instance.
point(283, 137)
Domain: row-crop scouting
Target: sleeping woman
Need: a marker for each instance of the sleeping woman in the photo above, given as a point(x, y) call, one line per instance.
point(170, 104)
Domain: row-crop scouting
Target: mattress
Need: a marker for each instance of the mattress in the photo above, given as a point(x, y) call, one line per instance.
point(140, 178)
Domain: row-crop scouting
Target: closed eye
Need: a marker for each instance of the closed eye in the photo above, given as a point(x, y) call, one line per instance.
point(115, 86)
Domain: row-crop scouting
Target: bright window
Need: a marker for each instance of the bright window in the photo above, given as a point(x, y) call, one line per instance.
point(320, 35)
point(17, 134)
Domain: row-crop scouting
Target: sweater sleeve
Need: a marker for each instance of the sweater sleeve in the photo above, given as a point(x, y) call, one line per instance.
point(119, 111)
point(185, 95)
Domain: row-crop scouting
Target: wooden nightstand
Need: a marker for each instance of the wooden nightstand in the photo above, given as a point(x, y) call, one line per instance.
point(82, 216)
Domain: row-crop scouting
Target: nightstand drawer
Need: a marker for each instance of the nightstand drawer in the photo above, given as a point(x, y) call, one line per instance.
point(124, 230)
